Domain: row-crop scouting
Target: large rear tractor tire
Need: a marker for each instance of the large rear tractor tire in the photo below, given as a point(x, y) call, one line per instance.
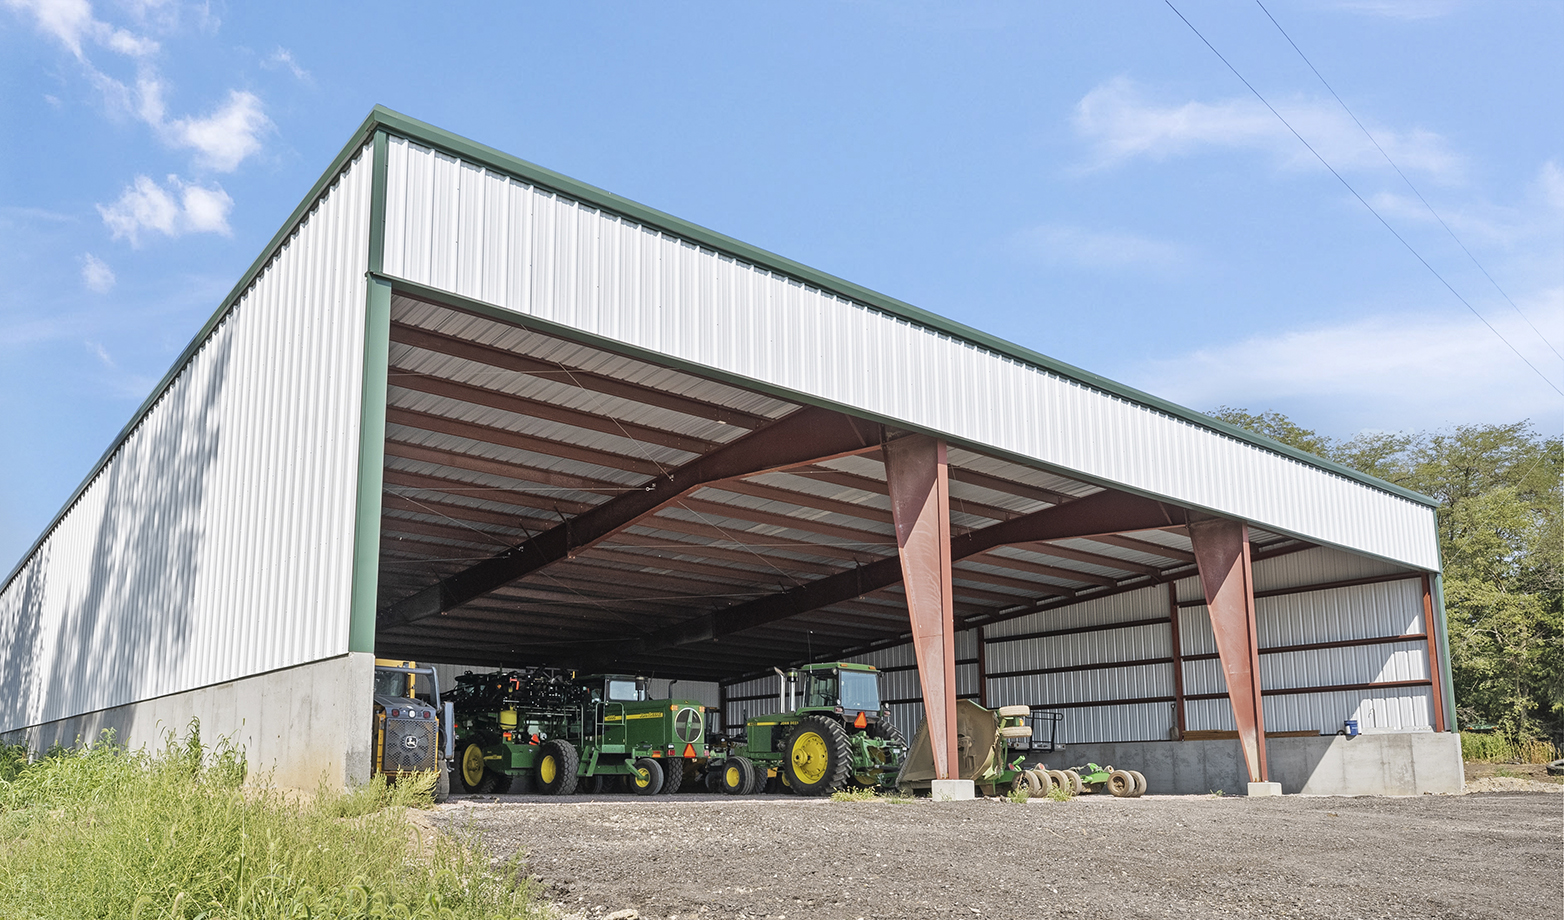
point(737, 776)
point(817, 756)
point(673, 776)
point(887, 730)
point(557, 765)
point(504, 783)
point(1121, 784)
point(647, 778)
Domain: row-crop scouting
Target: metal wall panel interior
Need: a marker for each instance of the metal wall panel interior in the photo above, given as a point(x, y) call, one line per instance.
point(459, 227)
point(1352, 612)
point(217, 541)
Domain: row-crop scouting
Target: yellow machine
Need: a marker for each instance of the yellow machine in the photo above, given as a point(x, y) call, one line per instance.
point(412, 727)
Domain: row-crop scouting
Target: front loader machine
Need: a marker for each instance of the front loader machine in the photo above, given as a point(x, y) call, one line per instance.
point(833, 734)
point(412, 727)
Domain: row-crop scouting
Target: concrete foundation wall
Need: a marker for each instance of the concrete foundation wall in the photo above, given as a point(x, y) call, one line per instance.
point(302, 724)
point(1401, 763)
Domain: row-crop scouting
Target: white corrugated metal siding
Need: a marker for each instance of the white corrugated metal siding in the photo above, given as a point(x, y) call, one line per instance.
point(217, 542)
point(461, 228)
point(1355, 612)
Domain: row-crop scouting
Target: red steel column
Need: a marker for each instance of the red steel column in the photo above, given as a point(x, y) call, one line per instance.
point(1434, 671)
point(919, 485)
point(1222, 553)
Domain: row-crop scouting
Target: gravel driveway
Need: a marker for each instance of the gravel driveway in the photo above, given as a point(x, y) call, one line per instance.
point(699, 856)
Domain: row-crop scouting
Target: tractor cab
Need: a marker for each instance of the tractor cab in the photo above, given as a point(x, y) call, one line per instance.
point(617, 688)
point(850, 691)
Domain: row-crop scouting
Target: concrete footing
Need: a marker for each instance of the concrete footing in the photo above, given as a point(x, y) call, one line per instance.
point(1265, 789)
point(1402, 763)
point(953, 790)
point(301, 726)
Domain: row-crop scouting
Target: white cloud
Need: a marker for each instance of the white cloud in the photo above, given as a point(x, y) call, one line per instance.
point(282, 57)
point(173, 211)
point(1122, 124)
point(223, 139)
point(1413, 370)
point(1550, 183)
point(96, 274)
point(1103, 249)
point(102, 353)
point(72, 22)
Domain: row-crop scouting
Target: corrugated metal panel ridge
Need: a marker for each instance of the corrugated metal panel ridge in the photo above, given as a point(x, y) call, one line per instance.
point(455, 226)
point(438, 138)
point(216, 542)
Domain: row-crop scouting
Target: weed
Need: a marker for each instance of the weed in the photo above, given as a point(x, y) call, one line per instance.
point(1059, 793)
point(1217, 793)
point(860, 794)
point(100, 831)
point(1019, 796)
point(1499, 748)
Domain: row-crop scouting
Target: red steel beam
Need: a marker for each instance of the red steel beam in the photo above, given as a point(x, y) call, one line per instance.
point(1145, 546)
point(917, 475)
point(492, 356)
point(548, 447)
point(1222, 554)
point(806, 435)
point(1177, 644)
point(1103, 512)
point(536, 408)
point(1434, 670)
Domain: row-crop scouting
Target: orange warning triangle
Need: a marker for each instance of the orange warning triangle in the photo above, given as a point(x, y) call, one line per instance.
point(689, 750)
point(860, 722)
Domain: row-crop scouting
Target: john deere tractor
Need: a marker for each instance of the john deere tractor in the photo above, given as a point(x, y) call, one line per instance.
point(412, 732)
point(831, 732)
point(559, 733)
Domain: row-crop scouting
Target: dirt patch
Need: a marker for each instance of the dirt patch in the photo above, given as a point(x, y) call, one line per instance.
point(1534, 772)
point(697, 856)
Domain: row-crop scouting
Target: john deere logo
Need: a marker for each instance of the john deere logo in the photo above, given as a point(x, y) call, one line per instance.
point(410, 742)
point(687, 725)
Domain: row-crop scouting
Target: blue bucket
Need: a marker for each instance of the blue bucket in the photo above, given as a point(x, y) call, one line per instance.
point(1351, 728)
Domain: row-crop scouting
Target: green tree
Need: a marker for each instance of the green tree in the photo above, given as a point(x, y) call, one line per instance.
point(1501, 535)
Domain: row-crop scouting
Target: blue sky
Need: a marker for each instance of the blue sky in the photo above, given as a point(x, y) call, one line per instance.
point(1084, 179)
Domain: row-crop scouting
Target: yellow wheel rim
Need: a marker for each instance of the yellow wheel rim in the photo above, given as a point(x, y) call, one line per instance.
point(810, 757)
point(472, 765)
point(732, 777)
point(643, 778)
point(548, 769)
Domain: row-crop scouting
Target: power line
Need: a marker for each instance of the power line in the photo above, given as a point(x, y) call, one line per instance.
point(1361, 199)
point(1430, 207)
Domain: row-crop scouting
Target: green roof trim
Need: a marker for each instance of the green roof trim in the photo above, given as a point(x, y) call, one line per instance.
point(430, 136)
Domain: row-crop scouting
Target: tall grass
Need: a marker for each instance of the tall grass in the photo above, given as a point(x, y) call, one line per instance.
point(101, 832)
point(1500, 748)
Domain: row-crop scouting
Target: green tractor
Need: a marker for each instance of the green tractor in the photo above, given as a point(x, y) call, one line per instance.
point(838, 734)
point(559, 734)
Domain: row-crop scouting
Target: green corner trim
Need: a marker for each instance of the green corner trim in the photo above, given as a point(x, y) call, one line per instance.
point(1442, 634)
point(371, 466)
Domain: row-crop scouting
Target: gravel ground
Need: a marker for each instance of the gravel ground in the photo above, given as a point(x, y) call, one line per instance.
point(700, 856)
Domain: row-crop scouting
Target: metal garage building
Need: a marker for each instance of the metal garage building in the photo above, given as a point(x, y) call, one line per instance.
point(465, 409)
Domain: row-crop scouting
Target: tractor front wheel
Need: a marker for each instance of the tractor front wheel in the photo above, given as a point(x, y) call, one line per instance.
point(647, 778)
point(557, 765)
point(817, 756)
point(738, 776)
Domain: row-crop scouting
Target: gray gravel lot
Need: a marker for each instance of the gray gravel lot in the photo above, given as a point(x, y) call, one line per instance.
point(699, 856)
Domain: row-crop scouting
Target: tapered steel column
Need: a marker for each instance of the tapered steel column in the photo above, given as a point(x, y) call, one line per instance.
point(918, 477)
point(1222, 553)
